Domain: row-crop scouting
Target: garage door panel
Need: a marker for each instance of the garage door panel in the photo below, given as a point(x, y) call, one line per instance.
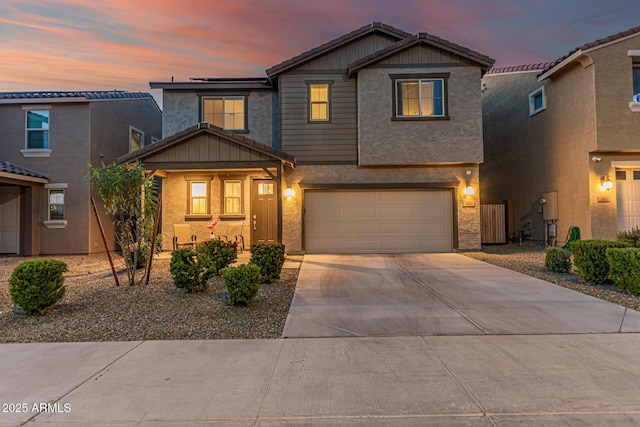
point(369, 221)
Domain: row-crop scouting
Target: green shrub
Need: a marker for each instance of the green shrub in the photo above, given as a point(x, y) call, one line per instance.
point(558, 260)
point(590, 258)
point(188, 272)
point(624, 268)
point(270, 258)
point(632, 237)
point(216, 254)
point(242, 283)
point(38, 284)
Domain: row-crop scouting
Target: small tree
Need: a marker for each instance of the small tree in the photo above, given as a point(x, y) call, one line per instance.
point(130, 198)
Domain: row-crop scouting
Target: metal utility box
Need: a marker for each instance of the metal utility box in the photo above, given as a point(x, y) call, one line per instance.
point(550, 206)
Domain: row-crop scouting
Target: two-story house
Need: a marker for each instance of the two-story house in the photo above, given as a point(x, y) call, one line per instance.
point(368, 143)
point(47, 139)
point(561, 141)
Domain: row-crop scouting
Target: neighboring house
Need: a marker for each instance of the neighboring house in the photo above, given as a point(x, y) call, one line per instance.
point(562, 141)
point(47, 139)
point(366, 143)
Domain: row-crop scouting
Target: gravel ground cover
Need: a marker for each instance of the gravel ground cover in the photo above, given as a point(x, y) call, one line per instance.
point(95, 309)
point(529, 259)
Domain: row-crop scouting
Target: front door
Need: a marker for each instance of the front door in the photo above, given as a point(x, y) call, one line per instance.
point(9, 220)
point(264, 212)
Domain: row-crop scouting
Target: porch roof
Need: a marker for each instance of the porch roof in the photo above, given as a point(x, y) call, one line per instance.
point(206, 143)
point(8, 170)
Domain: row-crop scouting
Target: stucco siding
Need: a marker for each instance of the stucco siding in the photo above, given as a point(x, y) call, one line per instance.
point(383, 141)
point(466, 227)
point(182, 110)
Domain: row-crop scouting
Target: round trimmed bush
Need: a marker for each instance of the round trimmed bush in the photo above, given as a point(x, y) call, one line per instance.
point(38, 284)
point(188, 272)
point(558, 260)
point(242, 283)
point(270, 258)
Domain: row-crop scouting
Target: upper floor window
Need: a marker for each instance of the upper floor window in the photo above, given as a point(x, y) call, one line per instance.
point(319, 102)
point(37, 129)
point(420, 96)
point(227, 112)
point(136, 139)
point(636, 82)
point(537, 101)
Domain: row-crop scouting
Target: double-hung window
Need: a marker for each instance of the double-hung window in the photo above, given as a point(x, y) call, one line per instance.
point(136, 139)
point(37, 129)
point(198, 198)
point(232, 194)
point(319, 102)
point(227, 112)
point(636, 82)
point(56, 217)
point(423, 97)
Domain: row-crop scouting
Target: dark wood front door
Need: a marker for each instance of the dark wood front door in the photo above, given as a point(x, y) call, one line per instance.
point(264, 212)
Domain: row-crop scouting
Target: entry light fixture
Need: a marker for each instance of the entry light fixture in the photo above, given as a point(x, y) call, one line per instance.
point(289, 192)
point(605, 183)
point(468, 189)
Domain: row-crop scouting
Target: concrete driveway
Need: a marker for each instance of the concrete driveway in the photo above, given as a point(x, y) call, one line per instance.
point(438, 294)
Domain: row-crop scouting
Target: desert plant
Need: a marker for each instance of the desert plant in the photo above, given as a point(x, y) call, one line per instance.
point(38, 284)
point(217, 254)
point(188, 272)
point(558, 260)
point(270, 258)
point(590, 258)
point(632, 237)
point(624, 268)
point(242, 283)
point(129, 197)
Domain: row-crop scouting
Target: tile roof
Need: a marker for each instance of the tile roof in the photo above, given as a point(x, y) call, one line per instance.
point(9, 168)
point(419, 38)
point(516, 68)
point(89, 95)
point(306, 56)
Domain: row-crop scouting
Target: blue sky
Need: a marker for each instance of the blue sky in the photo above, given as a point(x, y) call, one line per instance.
point(124, 44)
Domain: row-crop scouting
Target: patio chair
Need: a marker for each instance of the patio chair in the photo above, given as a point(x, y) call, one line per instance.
point(234, 234)
point(182, 237)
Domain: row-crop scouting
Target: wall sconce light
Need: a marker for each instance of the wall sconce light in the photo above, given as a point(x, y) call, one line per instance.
point(289, 192)
point(605, 183)
point(468, 189)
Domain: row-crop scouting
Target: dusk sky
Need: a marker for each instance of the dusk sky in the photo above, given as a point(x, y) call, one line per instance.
point(125, 44)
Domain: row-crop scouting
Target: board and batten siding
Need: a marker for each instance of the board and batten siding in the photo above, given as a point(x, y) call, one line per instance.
point(207, 148)
point(335, 141)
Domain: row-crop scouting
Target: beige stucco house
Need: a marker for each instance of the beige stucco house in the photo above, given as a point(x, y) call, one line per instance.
point(47, 139)
point(562, 141)
point(367, 143)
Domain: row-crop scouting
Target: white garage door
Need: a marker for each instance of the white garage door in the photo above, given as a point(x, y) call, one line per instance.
point(378, 221)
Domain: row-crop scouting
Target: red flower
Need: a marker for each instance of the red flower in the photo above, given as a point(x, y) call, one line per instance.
point(212, 225)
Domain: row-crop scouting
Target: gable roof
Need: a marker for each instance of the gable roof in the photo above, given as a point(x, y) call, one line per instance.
point(584, 49)
point(333, 44)
point(422, 38)
point(201, 128)
point(8, 170)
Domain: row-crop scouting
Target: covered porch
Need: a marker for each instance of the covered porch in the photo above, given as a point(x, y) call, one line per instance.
point(207, 174)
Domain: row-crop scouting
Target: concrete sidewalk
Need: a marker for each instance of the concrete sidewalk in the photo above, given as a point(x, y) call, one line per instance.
point(397, 381)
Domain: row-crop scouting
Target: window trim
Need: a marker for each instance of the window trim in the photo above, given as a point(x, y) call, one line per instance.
point(56, 223)
point(223, 214)
point(328, 84)
point(540, 91)
point(36, 152)
point(193, 179)
point(245, 124)
point(395, 78)
point(135, 129)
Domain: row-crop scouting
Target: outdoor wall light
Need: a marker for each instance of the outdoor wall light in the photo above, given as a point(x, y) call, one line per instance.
point(605, 183)
point(289, 192)
point(468, 189)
